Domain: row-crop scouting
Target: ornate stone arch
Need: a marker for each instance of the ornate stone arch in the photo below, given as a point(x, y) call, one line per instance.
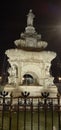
point(32, 69)
point(30, 78)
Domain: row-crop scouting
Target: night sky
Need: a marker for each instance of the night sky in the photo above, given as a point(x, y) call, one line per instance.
point(13, 16)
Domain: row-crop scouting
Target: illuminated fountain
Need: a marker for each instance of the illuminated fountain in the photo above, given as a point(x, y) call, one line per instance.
point(30, 64)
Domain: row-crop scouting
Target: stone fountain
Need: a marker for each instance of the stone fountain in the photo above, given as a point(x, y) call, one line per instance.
point(30, 64)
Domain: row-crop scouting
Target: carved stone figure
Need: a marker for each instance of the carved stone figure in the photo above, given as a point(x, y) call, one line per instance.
point(30, 18)
point(12, 74)
point(13, 71)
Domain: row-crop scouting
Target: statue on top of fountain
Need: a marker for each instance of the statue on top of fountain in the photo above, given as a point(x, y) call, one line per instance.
point(30, 39)
point(30, 18)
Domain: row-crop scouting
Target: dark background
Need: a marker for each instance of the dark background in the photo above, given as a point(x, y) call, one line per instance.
point(47, 22)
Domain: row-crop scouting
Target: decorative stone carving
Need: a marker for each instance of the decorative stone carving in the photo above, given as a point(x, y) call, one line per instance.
point(30, 38)
point(36, 62)
point(30, 18)
point(13, 73)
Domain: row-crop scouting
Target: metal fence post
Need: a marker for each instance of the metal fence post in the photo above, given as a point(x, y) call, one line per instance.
point(25, 95)
point(58, 98)
point(10, 110)
point(3, 94)
point(45, 96)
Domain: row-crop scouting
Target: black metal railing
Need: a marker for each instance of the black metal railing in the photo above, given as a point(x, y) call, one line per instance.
point(30, 113)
